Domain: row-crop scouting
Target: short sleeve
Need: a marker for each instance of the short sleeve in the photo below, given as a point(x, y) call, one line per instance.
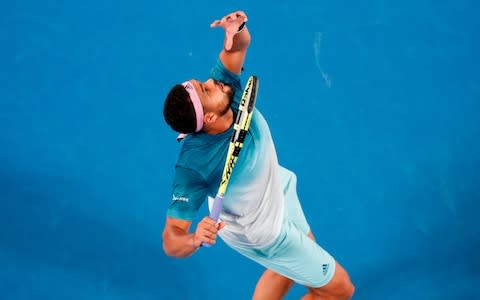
point(188, 194)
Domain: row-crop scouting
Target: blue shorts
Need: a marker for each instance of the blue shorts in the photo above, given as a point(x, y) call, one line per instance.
point(293, 254)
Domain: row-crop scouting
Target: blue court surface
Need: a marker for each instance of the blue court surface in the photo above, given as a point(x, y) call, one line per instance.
point(374, 104)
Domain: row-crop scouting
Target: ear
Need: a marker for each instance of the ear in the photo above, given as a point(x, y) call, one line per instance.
point(210, 118)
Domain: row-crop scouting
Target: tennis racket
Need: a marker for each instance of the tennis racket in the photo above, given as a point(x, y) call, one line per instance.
point(240, 128)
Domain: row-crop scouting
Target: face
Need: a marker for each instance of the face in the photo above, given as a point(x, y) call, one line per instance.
point(215, 96)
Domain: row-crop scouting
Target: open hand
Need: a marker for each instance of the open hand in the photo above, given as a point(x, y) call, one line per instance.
point(230, 24)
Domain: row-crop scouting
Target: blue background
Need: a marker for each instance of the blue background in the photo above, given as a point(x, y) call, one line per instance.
point(374, 104)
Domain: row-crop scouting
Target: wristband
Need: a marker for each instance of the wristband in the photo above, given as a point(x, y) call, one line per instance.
point(241, 27)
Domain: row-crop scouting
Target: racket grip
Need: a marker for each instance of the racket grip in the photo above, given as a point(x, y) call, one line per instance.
point(216, 208)
point(215, 213)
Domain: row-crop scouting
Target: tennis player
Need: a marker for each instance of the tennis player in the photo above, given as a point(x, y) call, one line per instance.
point(262, 217)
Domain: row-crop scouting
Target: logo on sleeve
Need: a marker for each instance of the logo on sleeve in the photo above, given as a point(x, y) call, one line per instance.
point(176, 198)
point(325, 268)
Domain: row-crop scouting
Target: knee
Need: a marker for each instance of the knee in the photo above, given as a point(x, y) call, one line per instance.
point(340, 286)
point(345, 287)
point(348, 289)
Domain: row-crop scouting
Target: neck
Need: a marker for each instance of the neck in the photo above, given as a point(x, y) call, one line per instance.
point(221, 125)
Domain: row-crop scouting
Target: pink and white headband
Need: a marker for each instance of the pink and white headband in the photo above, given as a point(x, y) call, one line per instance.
point(197, 105)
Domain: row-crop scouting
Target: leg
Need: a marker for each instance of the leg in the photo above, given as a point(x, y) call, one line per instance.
point(339, 288)
point(272, 286)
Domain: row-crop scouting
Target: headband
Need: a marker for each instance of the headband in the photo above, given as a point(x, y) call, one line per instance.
point(197, 106)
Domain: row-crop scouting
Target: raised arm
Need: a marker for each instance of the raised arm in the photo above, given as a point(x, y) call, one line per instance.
point(237, 40)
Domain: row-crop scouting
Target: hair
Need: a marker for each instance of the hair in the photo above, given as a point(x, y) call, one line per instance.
point(178, 110)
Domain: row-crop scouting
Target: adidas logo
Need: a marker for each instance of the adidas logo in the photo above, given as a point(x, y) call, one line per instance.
point(325, 269)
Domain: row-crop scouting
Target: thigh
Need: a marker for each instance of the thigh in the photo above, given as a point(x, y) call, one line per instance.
point(295, 256)
point(272, 285)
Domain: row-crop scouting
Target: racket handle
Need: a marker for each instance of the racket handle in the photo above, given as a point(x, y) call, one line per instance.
point(216, 207)
point(215, 213)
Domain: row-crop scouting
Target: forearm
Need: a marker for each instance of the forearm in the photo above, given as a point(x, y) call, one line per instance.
point(234, 58)
point(241, 40)
point(178, 243)
point(236, 42)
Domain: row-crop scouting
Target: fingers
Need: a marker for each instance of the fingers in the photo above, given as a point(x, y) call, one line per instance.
point(207, 230)
point(221, 225)
point(238, 16)
point(215, 23)
point(241, 14)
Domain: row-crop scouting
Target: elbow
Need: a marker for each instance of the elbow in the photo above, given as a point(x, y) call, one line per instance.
point(170, 249)
point(176, 241)
point(166, 245)
point(173, 253)
point(167, 250)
